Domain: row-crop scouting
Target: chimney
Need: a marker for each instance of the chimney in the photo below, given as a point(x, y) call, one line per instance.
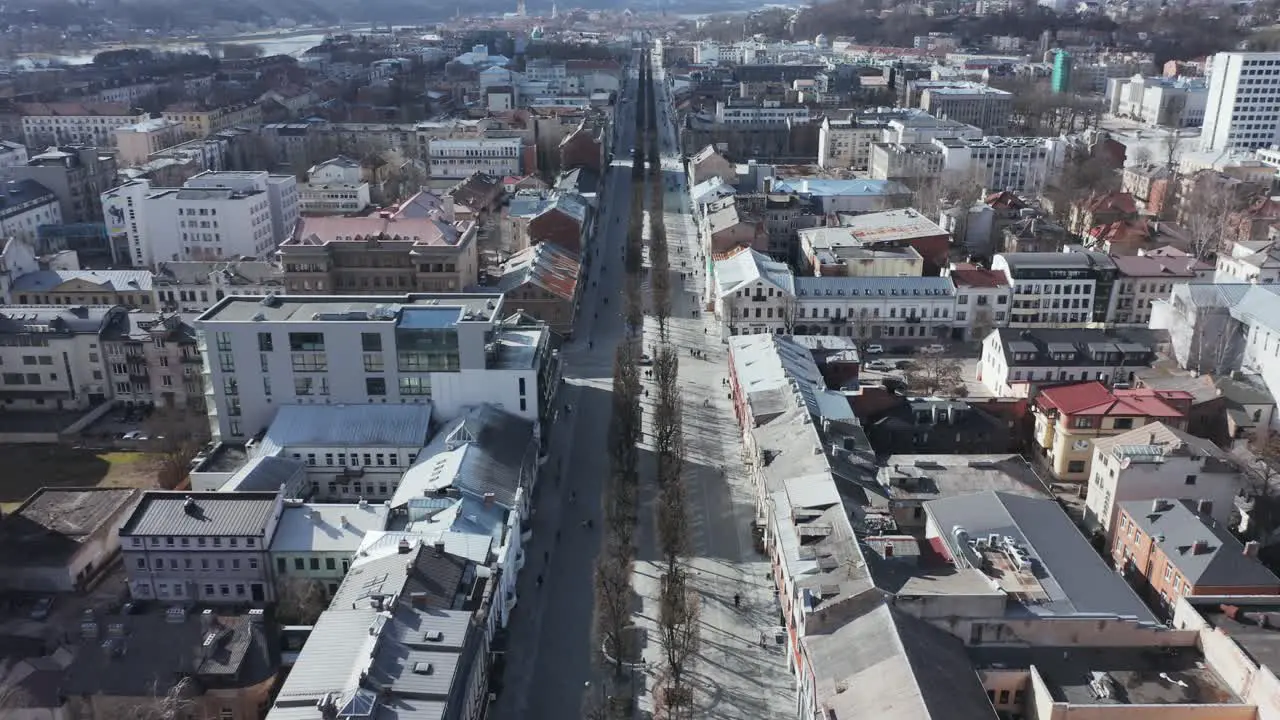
point(439, 548)
point(1204, 508)
point(342, 520)
point(1199, 547)
point(1151, 439)
point(206, 621)
point(488, 499)
point(888, 549)
point(404, 547)
point(1251, 548)
point(1157, 505)
point(418, 600)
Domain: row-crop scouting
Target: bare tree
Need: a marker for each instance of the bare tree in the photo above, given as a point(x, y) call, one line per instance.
point(680, 612)
point(1209, 211)
point(932, 374)
point(300, 600)
point(176, 438)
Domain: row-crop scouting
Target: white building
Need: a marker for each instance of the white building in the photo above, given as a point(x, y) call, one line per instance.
point(1158, 101)
point(213, 216)
point(24, 207)
point(1255, 262)
point(71, 123)
point(51, 357)
point(967, 102)
point(877, 308)
point(450, 350)
point(316, 541)
point(766, 112)
point(128, 95)
point(754, 294)
point(1020, 164)
point(1154, 462)
point(1057, 289)
point(459, 158)
point(1016, 363)
point(982, 301)
point(334, 187)
point(1243, 105)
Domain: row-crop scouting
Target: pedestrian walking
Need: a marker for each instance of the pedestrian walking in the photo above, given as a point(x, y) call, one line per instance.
point(539, 581)
point(737, 601)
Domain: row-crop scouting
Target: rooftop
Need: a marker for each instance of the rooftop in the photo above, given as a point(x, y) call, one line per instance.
point(462, 307)
point(1255, 628)
point(1031, 549)
point(1206, 553)
point(839, 188)
point(53, 522)
point(264, 472)
point(108, 280)
point(886, 226)
point(327, 527)
point(1154, 442)
point(546, 265)
point(1094, 398)
point(20, 192)
point(1075, 347)
point(744, 267)
point(354, 426)
point(927, 477)
point(203, 514)
point(879, 287)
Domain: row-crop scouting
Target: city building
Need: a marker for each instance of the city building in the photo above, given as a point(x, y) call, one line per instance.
point(212, 665)
point(1060, 81)
point(708, 163)
point(909, 163)
point(155, 358)
point(459, 158)
point(834, 250)
point(1159, 101)
point(200, 122)
point(877, 308)
point(61, 540)
point(72, 123)
point(830, 197)
point(12, 154)
point(1015, 363)
point(1242, 108)
point(130, 288)
point(754, 294)
point(208, 548)
point(52, 356)
point(970, 103)
point(1175, 548)
point(1158, 461)
point(315, 542)
point(542, 282)
point(388, 252)
point(193, 286)
point(77, 175)
point(448, 350)
point(334, 187)
point(937, 426)
point(982, 301)
point(213, 216)
point(748, 111)
point(1019, 164)
point(25, 207)
point(1141, 280)
point(1069, 418)
point(1055, 290)
point(907, 481)
point(405, 635)
point(1250, 261)
point(136, 143)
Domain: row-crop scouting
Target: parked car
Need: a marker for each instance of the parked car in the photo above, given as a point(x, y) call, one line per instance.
point(132, 435)
point(934, 349)
point(876, 349)
point(881, 365)
point(645, 360)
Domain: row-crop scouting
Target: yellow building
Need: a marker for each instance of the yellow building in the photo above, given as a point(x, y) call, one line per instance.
point(202, 122)
point(1070, 417)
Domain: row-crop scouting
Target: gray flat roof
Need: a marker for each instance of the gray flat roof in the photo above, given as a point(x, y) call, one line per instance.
point(165, 512)
point(54, 521)
point(327, 527)
point(313, 308)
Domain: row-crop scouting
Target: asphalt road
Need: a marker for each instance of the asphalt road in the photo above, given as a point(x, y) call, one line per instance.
point(551, 656)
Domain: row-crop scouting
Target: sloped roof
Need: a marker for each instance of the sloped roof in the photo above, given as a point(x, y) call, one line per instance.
point(347, 425)
point(1094, 398)
point(547, 265)
point(1221, 561)
point(745, 266)
point(116, 280)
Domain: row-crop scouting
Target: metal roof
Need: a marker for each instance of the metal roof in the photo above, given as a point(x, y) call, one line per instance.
point(1221, 562)
point(265, 472)
point(347, 426)
point(327, 527)
point(879, 287)
point(116, 280)
point(208, 514)
point(746, 266)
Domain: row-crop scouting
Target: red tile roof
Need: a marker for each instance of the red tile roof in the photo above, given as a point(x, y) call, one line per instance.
point(1115, 201)
point(1093, 398)
point(1005, 200)
point(970, 276)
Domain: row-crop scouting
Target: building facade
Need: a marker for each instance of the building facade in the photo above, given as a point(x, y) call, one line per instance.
point(1242, 107)
point(458, 158)
point(52, 356)
point(69, 123)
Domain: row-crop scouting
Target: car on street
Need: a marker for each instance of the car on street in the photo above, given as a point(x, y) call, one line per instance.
point(881, 365)
point(132, 435)
point(645, 360)
point(40, 610)
point(934, 349)
point(876, 349)
point(904, 365)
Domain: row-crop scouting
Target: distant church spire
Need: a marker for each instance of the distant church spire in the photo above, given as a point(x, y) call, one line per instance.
point(554, 12)
point(520, 8)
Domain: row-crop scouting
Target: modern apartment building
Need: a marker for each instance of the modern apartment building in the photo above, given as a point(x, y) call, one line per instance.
point(450, 350)
point(1058, 289)
point(1243, 104)
point(210, 548)
point(72, 123)
point(389, 252)
point(1017, 363)
point(213, 216)
point(459, 157)
point(908, 163)
point(52, 356)
point(1069, 418)
point(752, 112)
point(1019, 164)
point(1142, 280)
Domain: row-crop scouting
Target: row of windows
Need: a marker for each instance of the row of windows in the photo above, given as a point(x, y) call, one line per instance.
point(282, 564)
point(158, 541)
point(205, 565)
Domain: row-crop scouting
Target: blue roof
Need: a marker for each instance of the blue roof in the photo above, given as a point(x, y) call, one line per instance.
point(822, 187)
point(428, 318)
